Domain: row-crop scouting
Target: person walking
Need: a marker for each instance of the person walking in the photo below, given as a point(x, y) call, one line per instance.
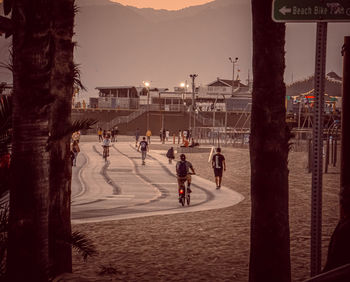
point(163, 135)
point(137, 136)
point(76, 136)
point(148, 135)
point(116, 132)
point(99, 133)
point(144, 149)
point(167, 134)
point(170, 155)
point(74, 152)
point(113, 135)
point(218, 164)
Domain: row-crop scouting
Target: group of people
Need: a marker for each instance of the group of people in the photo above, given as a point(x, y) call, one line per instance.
point(217, 162)
point(112, 133)
point(137, 136)
point(184, 137)
point(183, 168)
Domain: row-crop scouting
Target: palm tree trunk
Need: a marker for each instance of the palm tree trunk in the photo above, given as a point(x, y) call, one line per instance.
point(269, 251)
point(339, 247)
point(60, 165)
point(29, 201)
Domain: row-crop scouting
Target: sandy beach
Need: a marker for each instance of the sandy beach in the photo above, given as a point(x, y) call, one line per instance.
point(210, 245)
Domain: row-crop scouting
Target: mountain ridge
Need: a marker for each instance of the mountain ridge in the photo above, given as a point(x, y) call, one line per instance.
point(124, 45)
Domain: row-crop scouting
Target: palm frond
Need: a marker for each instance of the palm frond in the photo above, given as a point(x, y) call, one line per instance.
point(5, 115)
point(76, 126)
point(82, 124)
point(77, 81)
point(83, 245)
point(4, 214)
point(7, 66)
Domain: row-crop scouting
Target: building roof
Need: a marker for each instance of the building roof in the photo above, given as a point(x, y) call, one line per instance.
point(333, 87)
point(227, 83)
point(114, 87)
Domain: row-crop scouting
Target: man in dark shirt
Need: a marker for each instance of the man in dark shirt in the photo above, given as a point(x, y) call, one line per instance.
point(144, 149)
point(218, 164)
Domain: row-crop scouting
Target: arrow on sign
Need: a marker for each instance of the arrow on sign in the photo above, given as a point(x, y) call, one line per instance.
point(284, 10)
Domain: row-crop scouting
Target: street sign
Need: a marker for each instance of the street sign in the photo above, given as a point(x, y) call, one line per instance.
point(311, 10)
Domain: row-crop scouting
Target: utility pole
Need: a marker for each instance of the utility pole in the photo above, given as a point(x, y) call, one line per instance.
point(345, 126)
point(147, 85)
point(193, 76)
point(233, 72)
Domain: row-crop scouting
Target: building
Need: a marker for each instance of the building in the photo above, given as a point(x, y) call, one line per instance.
point(300, 94)
point(221, 96)
point(216, 95)
point(117, 97)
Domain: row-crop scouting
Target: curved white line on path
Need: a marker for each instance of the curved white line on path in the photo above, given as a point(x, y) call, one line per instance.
point(224, 197)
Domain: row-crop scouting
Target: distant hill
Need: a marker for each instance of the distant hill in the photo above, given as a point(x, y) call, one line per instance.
point(123, 45)
point(131, 45)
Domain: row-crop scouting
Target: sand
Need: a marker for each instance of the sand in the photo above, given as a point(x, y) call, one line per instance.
point(209, 245)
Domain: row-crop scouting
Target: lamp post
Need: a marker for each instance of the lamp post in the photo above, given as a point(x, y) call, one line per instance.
point(233, 72)
point(193, 76)
point(214, 110)
point(184, 85)
point(225, 119)
point(147, 84)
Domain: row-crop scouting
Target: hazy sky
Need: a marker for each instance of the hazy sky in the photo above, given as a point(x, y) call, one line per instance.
point(162, 4)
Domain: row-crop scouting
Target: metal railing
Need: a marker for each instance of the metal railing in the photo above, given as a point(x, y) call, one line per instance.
point(127, 119)
point(339, 274)
point(208, 121)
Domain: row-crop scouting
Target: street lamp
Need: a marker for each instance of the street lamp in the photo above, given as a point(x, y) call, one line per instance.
point(233, 72)
point(193, 76)
point(147, 85)
point(184, 86)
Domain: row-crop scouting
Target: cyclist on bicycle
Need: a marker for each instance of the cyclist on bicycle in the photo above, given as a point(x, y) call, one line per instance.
point(106, 143)
point(183, 168)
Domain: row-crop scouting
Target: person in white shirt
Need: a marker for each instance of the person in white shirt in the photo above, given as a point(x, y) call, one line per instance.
point(106, 143)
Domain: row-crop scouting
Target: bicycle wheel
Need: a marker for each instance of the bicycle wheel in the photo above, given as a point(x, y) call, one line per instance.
point(188, 199)
point(182, 201)
point(105, 155)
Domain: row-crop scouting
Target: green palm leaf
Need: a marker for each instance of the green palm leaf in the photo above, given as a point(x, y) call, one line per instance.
point(83, 245)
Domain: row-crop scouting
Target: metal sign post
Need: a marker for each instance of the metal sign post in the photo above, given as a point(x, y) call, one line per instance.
point(317, 140)
point(320, 11)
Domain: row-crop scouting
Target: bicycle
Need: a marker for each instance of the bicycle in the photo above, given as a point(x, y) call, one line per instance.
point(184, 193)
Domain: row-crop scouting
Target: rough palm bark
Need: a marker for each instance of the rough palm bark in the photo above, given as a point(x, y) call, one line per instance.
point(269, 251)
point(62, 78)
point(29, 202)
point(339, 247)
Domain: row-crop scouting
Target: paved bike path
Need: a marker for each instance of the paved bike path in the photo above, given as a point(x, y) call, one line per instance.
point(124, 188)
